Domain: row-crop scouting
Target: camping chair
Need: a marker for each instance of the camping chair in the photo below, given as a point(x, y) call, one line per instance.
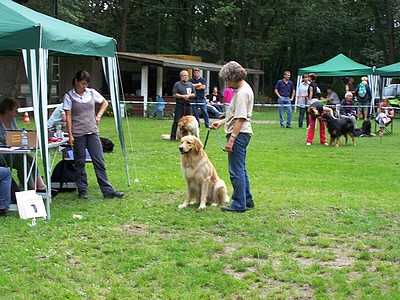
point(388, 128)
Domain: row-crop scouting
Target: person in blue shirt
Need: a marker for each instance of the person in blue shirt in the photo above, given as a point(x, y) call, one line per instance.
point(199, 101)
point(285, 91)
point(58, 115)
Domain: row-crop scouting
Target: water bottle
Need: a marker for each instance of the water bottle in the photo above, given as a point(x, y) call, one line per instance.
point(59, 132)
point(24, 138)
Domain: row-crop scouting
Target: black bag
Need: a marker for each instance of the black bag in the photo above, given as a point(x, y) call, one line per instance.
point(108, 145)
point(14, 188)
point(63, 177)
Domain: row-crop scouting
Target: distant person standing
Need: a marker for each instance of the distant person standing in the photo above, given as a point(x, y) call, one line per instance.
point(285, 91)
point(313, 89)
point(364, 96)
point(228, 94)
point(349, 87)
point(200, 85)
point(302, 100)
point(182, 91)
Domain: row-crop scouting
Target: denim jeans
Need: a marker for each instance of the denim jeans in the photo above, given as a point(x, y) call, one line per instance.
point(200, 102)
point(303, 111)
point(238, 174)
point(285, 102)
point(5, 187)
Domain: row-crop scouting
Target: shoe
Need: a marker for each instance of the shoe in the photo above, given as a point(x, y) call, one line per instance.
point(288, 126)
point(250, 204)
point(114, 195)
point(4, 212)
point(308, 144)
point(231, 209)
point(172, 138)
point(326, 144)
point(83, 195)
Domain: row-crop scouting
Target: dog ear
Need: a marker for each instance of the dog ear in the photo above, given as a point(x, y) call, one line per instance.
point(198, 145)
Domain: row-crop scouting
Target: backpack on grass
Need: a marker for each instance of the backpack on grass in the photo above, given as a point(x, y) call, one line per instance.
point(63, 177)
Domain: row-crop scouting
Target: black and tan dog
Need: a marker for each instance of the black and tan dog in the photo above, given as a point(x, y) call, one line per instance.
point(339, 127)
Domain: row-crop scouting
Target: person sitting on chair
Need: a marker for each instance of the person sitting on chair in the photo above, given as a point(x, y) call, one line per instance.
point(8, 111)
point(347, 108)
point(385, 115)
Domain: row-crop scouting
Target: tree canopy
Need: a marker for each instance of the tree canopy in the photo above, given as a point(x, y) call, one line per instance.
point(265, 34)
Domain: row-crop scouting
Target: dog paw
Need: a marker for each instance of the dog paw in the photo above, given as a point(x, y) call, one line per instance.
point(182, 205)
point(202, 206)
point(214, 204)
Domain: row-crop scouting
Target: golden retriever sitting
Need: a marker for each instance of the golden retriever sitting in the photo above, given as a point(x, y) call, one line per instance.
point(202, 181)
point(187, 125)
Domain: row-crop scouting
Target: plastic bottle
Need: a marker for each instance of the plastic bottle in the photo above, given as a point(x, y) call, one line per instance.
point(59, 132)
point(24, 138)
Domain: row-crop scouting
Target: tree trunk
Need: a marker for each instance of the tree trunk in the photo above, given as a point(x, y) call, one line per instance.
point(390, 30)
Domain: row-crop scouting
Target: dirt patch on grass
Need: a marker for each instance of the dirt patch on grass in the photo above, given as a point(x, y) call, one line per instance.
point(133, 229)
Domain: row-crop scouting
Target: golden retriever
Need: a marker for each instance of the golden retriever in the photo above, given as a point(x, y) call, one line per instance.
point(202, 181)
point(187, 125)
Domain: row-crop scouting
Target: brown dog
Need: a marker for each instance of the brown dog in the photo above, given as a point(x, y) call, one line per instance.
point(187, 125)
point(202, 181)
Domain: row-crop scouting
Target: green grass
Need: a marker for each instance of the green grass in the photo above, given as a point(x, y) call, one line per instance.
point(325, 226)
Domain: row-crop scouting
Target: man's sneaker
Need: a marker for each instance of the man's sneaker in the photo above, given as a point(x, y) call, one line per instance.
point(114, 195)
point(83, 195)
point(308, 144)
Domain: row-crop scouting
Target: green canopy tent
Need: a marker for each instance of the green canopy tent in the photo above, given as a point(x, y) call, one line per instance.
point(387, 72)
point(36, 36)
point(392, 70)
point(341, 65)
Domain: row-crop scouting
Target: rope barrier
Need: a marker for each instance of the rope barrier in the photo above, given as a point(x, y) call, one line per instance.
point(256, 104)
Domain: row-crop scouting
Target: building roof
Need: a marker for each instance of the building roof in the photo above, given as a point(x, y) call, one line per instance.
point(176, 63)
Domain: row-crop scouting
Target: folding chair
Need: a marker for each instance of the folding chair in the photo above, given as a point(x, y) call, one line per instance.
point(388, 128)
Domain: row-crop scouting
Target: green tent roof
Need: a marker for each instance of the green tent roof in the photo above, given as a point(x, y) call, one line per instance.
point(389, 71)
point(340, 65)
point(24, 28)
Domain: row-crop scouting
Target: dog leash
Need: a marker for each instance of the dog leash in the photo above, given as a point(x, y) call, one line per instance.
point(205, 142)
point(218, 138)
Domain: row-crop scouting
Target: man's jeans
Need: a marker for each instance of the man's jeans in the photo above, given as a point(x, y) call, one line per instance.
point(238, 174)
point(285, 102)
point(200, 102)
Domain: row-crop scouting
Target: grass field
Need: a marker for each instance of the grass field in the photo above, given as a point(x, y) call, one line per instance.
point(325, 226)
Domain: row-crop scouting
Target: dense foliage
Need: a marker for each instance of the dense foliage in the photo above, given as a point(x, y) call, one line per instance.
point(263, 34)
